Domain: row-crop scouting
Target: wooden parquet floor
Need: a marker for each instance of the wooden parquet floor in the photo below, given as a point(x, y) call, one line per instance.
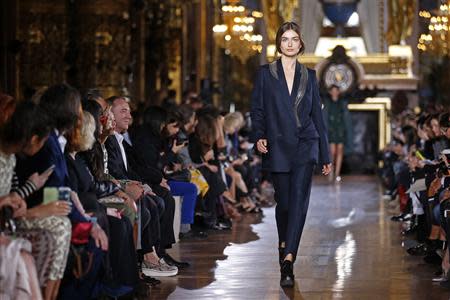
point(349, 250)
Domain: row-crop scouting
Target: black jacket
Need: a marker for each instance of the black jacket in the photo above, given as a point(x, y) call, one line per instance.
point(293, 124)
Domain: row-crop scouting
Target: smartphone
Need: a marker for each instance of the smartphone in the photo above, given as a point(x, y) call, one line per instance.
point(52, 167)
point(64, 193)
point(51, 194)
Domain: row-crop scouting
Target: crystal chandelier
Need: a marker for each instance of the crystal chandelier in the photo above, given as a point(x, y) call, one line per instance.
point(237, 32)
point(437, 40)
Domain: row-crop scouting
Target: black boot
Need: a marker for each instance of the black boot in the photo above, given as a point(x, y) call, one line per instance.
point(280, 255)
point(287, 274)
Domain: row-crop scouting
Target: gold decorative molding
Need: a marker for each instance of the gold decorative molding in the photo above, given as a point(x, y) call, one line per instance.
point(381, 105)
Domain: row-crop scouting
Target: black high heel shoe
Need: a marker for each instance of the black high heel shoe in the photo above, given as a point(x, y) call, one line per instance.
point(287, 274)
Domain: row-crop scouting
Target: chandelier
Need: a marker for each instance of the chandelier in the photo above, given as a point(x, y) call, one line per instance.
point(237, 32)
point(437, 40)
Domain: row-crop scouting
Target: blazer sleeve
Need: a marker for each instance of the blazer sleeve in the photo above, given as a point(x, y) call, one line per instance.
point(319, 122)
point(257, 113)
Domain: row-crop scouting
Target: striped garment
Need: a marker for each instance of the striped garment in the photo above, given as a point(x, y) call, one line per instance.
point(25, 190)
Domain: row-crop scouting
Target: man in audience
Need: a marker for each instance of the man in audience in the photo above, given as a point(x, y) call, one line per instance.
point(122, 165)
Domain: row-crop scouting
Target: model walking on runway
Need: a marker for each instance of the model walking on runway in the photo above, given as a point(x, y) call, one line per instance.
point(289, 131)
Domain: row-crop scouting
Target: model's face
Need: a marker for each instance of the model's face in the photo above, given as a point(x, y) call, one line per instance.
point(122, 115)
point(290, 43)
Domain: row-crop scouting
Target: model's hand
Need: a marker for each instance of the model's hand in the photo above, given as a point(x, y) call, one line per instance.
point(326, 169)
point(261, 145)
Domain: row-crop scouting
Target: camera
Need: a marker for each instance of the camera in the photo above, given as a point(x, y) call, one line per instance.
point(181, 138)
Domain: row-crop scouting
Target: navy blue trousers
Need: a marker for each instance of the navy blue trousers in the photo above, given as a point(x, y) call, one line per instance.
point(292, 191)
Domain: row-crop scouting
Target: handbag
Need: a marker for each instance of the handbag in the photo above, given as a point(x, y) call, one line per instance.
point(199, 180)
point(80, 233)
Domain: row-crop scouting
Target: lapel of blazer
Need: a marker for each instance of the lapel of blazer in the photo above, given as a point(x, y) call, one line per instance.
point(276, 70)
point(298, 89)
point(118, 152)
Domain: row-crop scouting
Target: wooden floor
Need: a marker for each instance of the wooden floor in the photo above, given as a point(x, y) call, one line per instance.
point(350, 250)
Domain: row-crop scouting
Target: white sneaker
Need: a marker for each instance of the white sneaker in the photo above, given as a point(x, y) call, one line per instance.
point(162, 269)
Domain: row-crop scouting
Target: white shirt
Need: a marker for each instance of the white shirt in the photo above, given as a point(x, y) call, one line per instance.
point(119, 139)
point(126, 137)
point(61, 140)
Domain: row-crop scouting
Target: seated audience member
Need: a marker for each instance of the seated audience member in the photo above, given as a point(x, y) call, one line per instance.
point(62, 104)
point(161, 152)
point(23, 132)
point(122, 257)
point(158, 231)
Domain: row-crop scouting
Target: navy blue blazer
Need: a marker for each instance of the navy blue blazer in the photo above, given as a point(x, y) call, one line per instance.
point(292, 124)
point(50, 154)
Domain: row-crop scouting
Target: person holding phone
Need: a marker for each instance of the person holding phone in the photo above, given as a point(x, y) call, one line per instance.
point(290, 133)
point(25, 131)
point(158, 136)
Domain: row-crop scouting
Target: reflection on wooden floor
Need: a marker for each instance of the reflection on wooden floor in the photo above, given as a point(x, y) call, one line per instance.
point(349, 250)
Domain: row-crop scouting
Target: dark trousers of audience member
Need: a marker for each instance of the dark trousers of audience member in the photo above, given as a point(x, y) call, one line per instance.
point(166, 219)
point(150, 224)
point(208, 206)
point(422, 229)
point(292, 191)
point(122, 253)
point(86, 286)
point(216, 188)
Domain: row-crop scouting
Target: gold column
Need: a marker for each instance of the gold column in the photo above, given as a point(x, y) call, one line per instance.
point(140, 58)
point(216, 59)
point(202, 48)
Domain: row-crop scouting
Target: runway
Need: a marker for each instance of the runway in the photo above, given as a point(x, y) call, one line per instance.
point(349, 250)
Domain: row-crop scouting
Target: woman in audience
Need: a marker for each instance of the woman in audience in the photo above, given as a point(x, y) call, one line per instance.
point(122, 253)
point(233, 122)
point(156, 136)
point(62, 104)
point(25, 131)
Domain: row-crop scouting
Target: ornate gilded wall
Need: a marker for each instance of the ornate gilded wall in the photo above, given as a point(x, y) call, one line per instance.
point(128, 47)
